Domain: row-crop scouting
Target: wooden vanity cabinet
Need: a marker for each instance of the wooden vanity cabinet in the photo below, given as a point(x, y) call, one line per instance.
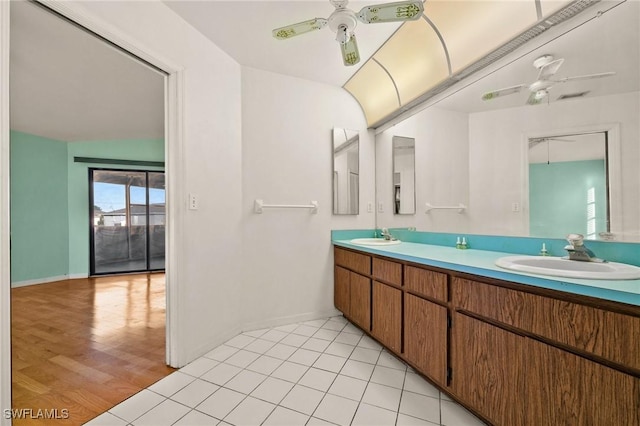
point(360, 304)
point(352, 290)
point(529, 359)
point(387, 316)
point(342, 290)
point(487, 373)
point(426, 283)
point(512, 354)
point(425, 337)
point(514, 380)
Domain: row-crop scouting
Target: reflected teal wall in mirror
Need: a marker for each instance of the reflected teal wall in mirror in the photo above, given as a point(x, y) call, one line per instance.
point(568, 196)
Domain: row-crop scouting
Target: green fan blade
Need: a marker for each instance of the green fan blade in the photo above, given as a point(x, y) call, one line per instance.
point(391, 12)
point(350, 54)
point(299, 28)
point(502, 92)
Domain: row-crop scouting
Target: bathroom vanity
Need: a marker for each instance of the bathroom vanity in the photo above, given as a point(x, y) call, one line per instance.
point(512, 353)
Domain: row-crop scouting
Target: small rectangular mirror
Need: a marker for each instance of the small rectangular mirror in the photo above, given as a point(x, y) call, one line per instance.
point(346, 171)
point(404, 187)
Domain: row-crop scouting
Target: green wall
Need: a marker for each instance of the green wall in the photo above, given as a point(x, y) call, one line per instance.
point(39, 208)
point(558, 197)
point(139, 149)
point(50, 201)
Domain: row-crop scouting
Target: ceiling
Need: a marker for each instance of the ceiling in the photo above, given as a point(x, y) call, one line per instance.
point(243, 30)
point(68, 85)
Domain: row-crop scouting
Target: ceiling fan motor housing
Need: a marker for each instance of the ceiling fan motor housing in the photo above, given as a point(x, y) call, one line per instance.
point(542, 61)
point(339, 4)
point(342, 17)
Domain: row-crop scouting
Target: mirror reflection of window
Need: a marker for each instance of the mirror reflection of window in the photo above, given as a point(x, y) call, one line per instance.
point(404, 160)
point(568, 185)
point(346, 171)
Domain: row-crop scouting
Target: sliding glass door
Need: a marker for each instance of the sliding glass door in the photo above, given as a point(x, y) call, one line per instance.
point(127, 221)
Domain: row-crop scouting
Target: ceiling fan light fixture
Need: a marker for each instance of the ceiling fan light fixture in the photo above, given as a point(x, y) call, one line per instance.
point(342, 34)
point(540, 94)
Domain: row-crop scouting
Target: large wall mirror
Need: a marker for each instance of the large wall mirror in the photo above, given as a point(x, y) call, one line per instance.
point(404, 164)
point(346, 171)
point(478, 152)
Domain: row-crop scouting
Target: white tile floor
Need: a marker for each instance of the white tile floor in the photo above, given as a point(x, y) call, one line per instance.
point(322, 372)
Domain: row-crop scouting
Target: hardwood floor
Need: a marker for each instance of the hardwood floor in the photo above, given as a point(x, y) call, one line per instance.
point(85, 345)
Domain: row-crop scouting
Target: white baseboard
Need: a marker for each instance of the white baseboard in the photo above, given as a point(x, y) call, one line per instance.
point(39, 281)
point(268, 323)
point(78, 276)
point(48, 280)
point(275, 322)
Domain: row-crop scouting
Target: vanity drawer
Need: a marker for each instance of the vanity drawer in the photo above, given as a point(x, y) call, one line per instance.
point(426, 283)
point(387, 271)
point(355, 261)
point(610, 335)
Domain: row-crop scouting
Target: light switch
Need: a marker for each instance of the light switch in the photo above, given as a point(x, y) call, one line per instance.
point(515, 207)
point(380, 207)
point(369, 207)
point(193, 201)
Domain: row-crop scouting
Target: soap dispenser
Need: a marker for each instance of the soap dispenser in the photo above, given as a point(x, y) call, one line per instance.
point(458, 243)
point(543, 250)
point(463, 245)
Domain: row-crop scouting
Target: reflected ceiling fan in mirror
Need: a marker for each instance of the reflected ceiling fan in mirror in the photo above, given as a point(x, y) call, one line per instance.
point(533, 142)
point(343, 21)
point(539, 89)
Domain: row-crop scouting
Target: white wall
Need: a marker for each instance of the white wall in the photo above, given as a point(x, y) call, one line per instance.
point(287, 159)
point(496, 162)
point(442, 172)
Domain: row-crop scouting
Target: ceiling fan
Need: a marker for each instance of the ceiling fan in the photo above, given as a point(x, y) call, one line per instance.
point(343, 21)
point(539, 89)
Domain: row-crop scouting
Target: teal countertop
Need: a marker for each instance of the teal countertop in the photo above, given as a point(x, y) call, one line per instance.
point(482, 263)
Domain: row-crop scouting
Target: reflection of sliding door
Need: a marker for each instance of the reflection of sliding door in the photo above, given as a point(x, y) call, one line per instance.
point(127, 221)
point(353, 191)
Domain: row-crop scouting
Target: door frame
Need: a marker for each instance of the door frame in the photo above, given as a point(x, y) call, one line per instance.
point(174, 169)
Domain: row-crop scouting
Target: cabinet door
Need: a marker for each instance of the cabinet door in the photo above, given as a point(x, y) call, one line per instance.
point(341, 292)
point(488, 371)
point(360, 304)
point(579, 391)
point(387, 315)
point(425, 337)
point(514, 380)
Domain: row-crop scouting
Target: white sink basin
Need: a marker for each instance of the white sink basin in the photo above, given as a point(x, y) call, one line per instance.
point(561, 267)
point(374, 242)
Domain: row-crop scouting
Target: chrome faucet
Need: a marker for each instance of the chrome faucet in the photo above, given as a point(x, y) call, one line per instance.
point(578, 251)
point(386, 235)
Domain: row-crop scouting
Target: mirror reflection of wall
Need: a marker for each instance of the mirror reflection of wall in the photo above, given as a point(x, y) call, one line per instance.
point(404, 159)
point(568, 185)
point(346, 171)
